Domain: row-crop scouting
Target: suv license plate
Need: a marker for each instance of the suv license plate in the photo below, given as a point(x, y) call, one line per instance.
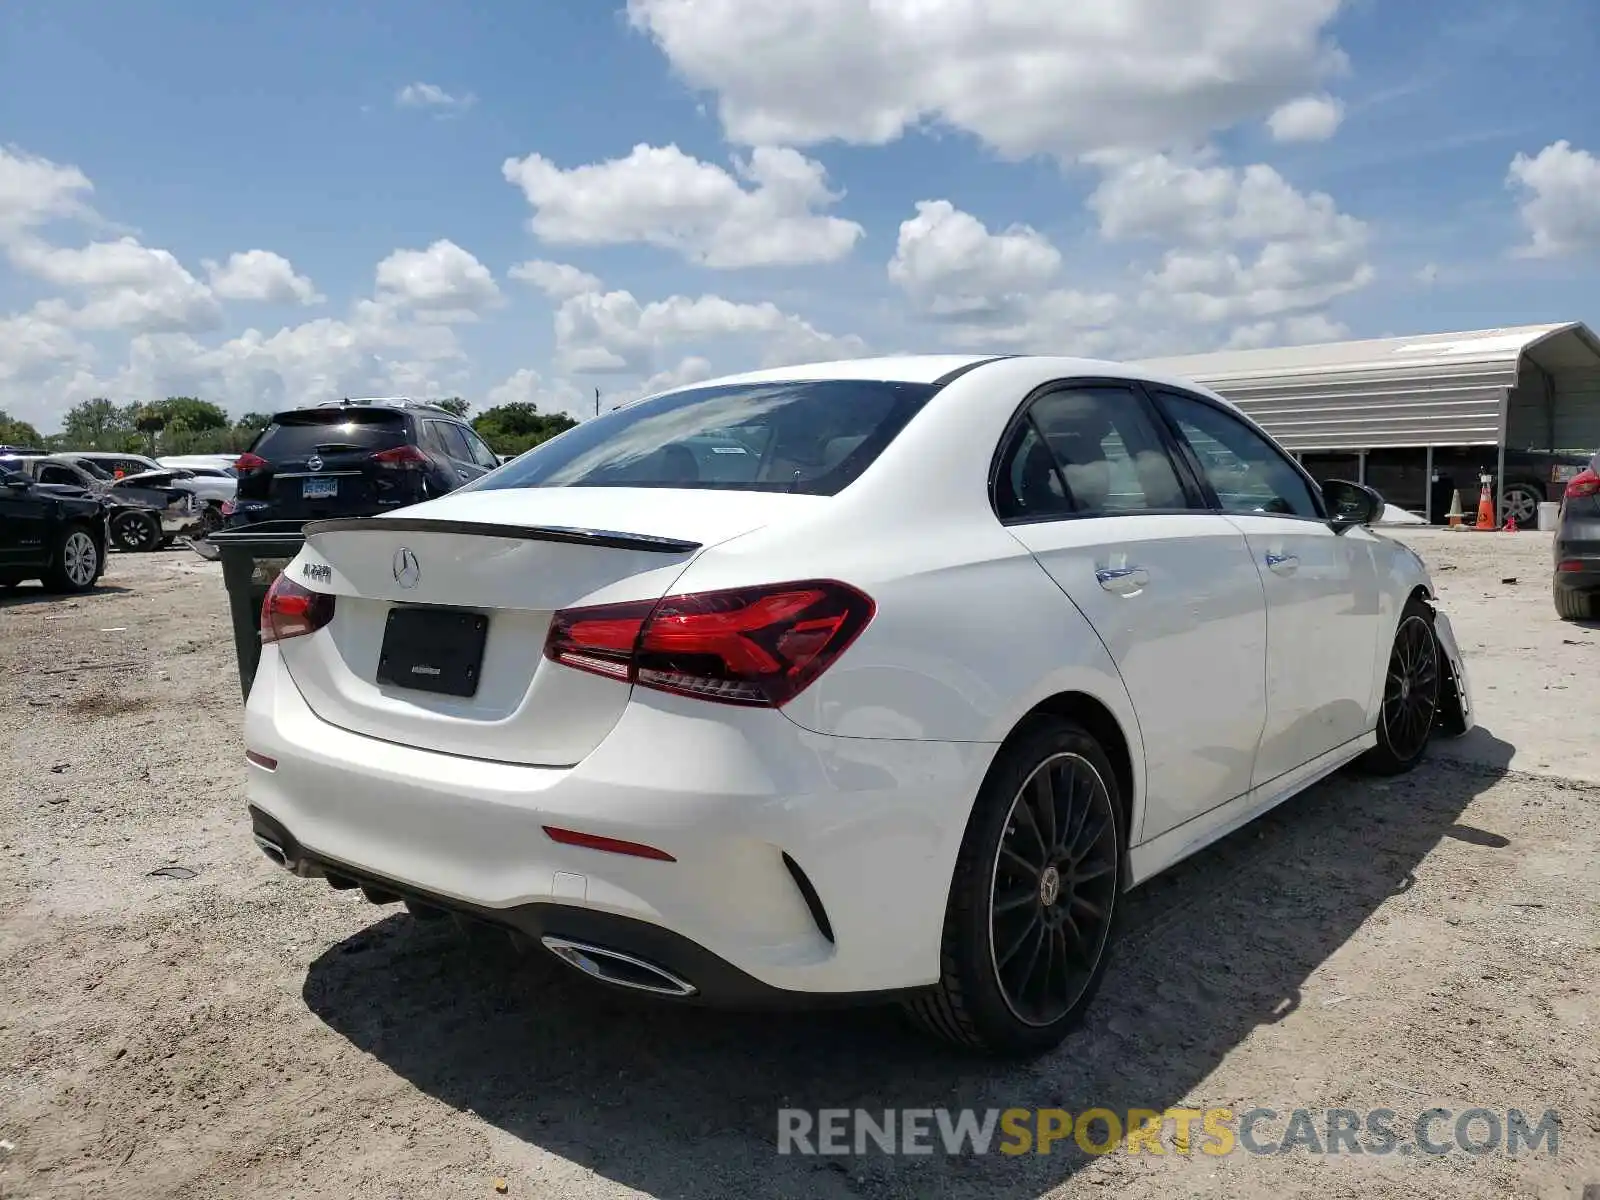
point(316, 489)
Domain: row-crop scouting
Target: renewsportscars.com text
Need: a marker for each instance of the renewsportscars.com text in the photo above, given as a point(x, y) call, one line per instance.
point(1210, 1131)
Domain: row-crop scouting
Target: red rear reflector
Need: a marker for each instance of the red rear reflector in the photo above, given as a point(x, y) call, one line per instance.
point(593, 841)
point(249, 462)
point(759, 646)
point(1571, 564)
point(291, 611)
point(261, 760)
point(1585, 483)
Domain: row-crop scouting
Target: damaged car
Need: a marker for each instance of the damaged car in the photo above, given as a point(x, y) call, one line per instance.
point(138, 517)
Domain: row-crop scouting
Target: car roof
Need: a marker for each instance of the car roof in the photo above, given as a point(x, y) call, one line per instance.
point(385, 403)
point(931, 368)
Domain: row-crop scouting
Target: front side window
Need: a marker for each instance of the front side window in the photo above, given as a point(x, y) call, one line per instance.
point(1093, 451)
point(813, 437)
point(481, 454)
point(1248, 473)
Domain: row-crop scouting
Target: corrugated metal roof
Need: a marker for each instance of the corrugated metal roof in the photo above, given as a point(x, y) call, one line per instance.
point(1431, 389)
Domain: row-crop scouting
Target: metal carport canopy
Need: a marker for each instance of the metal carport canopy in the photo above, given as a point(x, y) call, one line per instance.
point(1429, 390)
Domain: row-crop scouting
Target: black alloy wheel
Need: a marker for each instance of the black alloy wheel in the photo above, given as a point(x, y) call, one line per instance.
point(1053, 889)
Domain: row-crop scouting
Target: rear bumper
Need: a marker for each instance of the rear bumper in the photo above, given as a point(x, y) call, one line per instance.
point(1578, 540)
point(872, 826)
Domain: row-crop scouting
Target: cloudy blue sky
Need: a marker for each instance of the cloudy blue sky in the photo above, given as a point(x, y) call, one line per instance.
point(270, 203)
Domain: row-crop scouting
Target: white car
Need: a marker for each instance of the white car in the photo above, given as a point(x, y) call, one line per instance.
point(203, 464)
point(853, 681)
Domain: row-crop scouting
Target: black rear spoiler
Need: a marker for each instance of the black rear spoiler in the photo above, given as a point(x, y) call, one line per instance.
point(609, 538)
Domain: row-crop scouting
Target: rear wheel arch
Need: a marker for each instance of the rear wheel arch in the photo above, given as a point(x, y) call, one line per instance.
point(1103, 726)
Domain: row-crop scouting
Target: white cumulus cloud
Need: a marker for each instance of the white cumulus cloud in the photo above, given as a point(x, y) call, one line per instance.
point(660, 196)
point(444, 282)
point(1560, 193)
point(1306, 119)
point(261, 275)
point(1024, 76)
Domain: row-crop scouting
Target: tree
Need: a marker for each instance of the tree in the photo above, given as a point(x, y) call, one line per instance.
point(455, 406)
point(255, 420)
point(98, 424)
point(150, 421)
point(17, 433)
point(190, 414)
point(513, 428)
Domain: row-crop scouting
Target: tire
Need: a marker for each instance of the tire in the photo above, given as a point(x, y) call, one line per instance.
point(991, 926)
point(1413, 688)
point(75, 561)
point(1575, 606)
point(1522, 501)
point(136, 532)
point(211, 520)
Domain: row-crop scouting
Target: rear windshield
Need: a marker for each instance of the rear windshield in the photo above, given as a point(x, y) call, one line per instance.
point(809, 436)
point(329, 431)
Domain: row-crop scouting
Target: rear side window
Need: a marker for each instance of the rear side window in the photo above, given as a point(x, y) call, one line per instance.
point(1093, 451)
point(814, 437)
point(329, 431)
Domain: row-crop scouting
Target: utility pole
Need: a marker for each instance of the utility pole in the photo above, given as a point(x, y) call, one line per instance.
point(597, 402)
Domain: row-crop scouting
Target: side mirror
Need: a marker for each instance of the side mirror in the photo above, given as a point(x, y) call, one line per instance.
point(19, 484)
point(1350, 504)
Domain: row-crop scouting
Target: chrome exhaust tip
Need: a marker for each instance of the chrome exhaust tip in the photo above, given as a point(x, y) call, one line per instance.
point(272, 850)
point(615, 967)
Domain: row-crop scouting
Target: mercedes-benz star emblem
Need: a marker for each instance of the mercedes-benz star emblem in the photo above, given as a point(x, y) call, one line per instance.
point(407, 570)
point(314, 463)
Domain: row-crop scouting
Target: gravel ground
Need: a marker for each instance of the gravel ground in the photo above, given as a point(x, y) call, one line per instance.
point(227, 1030)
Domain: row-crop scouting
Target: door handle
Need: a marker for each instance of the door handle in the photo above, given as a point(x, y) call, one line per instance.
point(1283, 564)
point(1122, 579)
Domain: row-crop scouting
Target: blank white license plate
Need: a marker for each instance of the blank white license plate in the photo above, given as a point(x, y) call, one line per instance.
point(318, 489)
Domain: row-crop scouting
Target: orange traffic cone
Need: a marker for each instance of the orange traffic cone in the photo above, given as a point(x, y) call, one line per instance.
point(1485, 509)
point(1453, 517)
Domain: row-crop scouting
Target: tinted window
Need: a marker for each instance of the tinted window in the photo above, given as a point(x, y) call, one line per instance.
point(299, 434)
point(1029, 485)
point(450, 440)
point(481, 454)
point(808, 436)
point(1248, 473)
point(95, 469)
point(50, 473)
point(1106, 452)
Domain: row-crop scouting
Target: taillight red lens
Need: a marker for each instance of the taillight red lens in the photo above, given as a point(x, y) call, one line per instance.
point(1585, 483)
point(401, 458)
point(291, 611)
point(249, 462)
point(757, 646)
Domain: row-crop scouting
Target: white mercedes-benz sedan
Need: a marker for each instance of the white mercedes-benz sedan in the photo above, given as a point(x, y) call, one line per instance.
point(844, 682)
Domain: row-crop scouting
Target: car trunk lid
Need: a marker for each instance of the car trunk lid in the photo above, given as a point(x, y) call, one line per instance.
point(471, 581)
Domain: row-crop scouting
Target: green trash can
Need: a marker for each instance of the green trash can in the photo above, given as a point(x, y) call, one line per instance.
point(252, 556)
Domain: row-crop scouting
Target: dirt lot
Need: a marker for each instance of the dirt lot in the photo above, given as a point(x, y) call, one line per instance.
point(1430, 942)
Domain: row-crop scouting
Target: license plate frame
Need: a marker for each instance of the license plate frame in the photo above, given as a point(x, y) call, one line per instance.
point(319, 489)
point(434, 650)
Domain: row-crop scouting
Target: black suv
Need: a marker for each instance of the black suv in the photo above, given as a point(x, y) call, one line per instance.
point(354, 458)
point(54, 535)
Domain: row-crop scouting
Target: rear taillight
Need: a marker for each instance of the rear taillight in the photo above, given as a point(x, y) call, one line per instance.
point(758, 646)
point(401, 458)
point(291, 611)
point(249, 462)
point(1585, 483)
